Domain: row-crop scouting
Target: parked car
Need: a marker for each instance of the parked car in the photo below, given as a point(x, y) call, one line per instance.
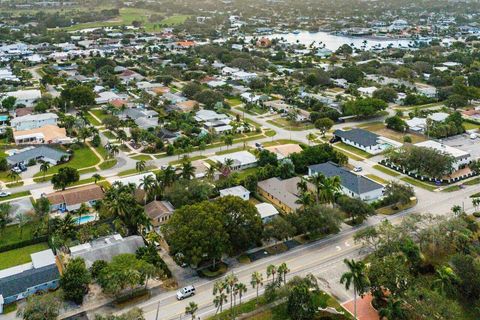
point(185, 292)
point(17, 170)
point(357, 169)
point(4, 194)
point(334, 139)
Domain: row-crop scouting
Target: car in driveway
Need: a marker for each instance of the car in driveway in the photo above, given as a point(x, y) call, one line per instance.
point(357, 169)
point(4, 194)
point(185, 292)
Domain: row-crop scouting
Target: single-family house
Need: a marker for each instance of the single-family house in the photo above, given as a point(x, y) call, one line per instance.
point(237, 191)
point(365, 140)
point(39, 275)
point(159, 212)
point(44, 135)
point(282, 193)
point(106, 248)
point(72, 199)
point(241, 160)
point(41, 153)
point(144, 118)
point(353, 185)
point(33, 121)
point(25, 97)
point(267, 211)
point(462, 158)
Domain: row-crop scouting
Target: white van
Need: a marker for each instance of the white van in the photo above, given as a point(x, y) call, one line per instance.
point(185, 292)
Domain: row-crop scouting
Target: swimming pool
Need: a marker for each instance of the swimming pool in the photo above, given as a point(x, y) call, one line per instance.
point(84, 219)
point(3, 118)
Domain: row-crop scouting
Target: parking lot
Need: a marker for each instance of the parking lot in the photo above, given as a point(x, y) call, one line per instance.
point(463, 142)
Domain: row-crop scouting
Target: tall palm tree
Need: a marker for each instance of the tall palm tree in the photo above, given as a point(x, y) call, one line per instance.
point(140, 165)
point(282, 272)
point(271, 271)
point(191, 309)
point(230, 281)
point(147, 183)
point(257, 281)
point(44, 168)
point(302, 186)
point(355, 276)
point(210, 173)
point(188, 171)
point(168, 176)
point(393, 310)
point(240, 289)
point(326, 189)
point(113, 150)
point(305, 199)
point(219, 289)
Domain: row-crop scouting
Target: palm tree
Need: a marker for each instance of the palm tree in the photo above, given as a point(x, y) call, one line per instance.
point(14, 176)
point(326, 189)
point(271, 271)
point(302, 186)
point(282, 272)
point(44, 168)
point(456, 209)
point(168, 176)
point(305, 199)
point(113, 150)
point(446, 277)
point(83, 210)
point(153, 237)
point(191, 309)
point(140, 165)
point(393, 310)
point(188, 171)
point(96, 177)
point(257, 281)
point(210, 173)
point(147, 183)
point(355, 276)
point(121, 136)
point(230, 281)
point(218, 290)
point(476, 203)
point(241, 288)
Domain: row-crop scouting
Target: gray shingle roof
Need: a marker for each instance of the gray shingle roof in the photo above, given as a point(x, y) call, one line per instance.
point(20, 282)
point(36, 153)
point(349, 180)
point(360, 136)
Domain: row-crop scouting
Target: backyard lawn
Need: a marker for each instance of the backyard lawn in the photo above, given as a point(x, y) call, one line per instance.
point(348, 148)
point(234, 102)
point(82, 158)
point(13, 234)
point(20, 256)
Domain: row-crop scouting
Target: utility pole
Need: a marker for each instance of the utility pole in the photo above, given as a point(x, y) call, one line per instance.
point(158, 308)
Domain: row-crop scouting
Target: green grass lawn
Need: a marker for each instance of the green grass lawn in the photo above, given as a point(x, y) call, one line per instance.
point(100, 114)
point(128, 15)
point(16, 195)
point(92, 120)
point(270, 133)
point(144, 157)
point(232, 102)
point(377, 179)
point(82, 158)
point(19, 256)
point(420, 184)
point(451, 188)
point(385, 170)
point(109, 135)
point(102, 151)
point(348, 148)
point(470, 125)
point(289, 125)
point(472, 182)
point(108, 164)
point(13, 234)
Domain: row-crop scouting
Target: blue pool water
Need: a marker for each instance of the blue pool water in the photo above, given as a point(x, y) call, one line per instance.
point(3, 118)
point(84, 219)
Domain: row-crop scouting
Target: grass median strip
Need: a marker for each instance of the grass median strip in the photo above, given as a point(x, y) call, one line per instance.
point(385, 170)
point(419, 184)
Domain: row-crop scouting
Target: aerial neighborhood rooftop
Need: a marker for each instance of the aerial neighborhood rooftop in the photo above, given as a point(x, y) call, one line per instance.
point(239, 160)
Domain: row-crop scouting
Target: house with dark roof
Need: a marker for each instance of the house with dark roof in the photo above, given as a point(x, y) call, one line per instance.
point(353, 185)
point(21, 281)
point(365, 140)
point(42, 153)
